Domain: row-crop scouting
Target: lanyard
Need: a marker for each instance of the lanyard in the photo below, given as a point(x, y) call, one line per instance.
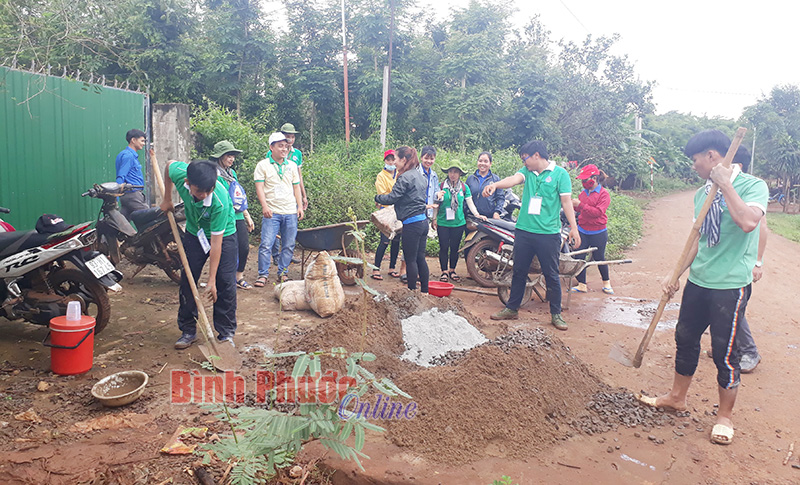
point(279, 168)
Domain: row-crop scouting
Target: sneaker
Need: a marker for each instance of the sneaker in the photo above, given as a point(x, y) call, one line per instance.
point(185, 341)
point(296, 260)
point(505, 314)
point(749, 362)
point(226, 339)
point(558, 321)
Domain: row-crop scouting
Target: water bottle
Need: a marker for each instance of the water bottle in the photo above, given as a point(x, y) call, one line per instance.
point(74, 311)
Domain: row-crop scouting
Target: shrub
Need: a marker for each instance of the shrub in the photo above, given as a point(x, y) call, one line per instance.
point(624, 224)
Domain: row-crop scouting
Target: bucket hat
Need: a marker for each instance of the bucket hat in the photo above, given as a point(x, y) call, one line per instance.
point(454, 164)
point(288, 128)
point(223, 147)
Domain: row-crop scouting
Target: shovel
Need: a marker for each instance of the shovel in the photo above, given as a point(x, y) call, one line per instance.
point(223, 355)
point(617, 352)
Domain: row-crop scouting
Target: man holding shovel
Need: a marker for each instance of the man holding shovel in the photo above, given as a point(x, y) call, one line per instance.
point(210, 234)
point(720, 277)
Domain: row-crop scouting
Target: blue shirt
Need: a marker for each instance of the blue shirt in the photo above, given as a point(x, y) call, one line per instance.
point(433, 187)
point(128, 169)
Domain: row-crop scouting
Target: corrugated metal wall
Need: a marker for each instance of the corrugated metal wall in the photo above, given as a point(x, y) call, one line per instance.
point(57, 138)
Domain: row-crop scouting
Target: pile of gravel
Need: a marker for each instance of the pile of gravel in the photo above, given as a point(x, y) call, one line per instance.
point(611, 409)
point(533, 339)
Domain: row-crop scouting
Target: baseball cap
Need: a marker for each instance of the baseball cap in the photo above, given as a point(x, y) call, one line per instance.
point(388, 152)
point(588, 171)
point(276, 137)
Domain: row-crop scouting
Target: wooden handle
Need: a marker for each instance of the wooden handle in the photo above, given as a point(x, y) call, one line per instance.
point(187, 270)
point(694, 236)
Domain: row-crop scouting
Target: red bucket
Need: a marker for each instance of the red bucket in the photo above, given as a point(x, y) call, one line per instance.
point(71, 345)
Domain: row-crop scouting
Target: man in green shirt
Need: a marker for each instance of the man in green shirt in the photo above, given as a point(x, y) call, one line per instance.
point(720, 276)
point(210, 233)
point(548, 189)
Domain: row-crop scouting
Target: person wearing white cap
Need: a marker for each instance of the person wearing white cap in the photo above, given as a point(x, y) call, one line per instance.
point(278, 190)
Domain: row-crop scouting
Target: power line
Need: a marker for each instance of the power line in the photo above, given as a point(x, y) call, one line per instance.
point(575, 17)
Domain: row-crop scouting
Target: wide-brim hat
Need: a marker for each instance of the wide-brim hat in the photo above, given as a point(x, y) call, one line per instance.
point(223, 147)
point(454, 164)
point(288, 128)
point(588, 171)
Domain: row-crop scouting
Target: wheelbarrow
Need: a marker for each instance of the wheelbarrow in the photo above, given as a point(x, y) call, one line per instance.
point(568, 268)
point(329, 238)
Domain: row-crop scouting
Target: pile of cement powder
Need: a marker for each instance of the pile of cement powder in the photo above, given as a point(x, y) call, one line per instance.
point(433, 333)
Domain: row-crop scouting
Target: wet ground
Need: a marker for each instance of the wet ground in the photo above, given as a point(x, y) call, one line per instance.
point(59, 442)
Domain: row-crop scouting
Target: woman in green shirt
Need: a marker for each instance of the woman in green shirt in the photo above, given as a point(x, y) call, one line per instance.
point(449, 220)
point(224, 155)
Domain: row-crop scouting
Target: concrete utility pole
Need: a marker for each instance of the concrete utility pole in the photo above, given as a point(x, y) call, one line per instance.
point(384, 106)
point(346, 89)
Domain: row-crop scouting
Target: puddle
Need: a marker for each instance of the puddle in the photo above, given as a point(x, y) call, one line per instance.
point(633, 312)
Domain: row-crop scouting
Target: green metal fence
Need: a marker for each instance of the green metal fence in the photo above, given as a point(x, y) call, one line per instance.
point(57, 138)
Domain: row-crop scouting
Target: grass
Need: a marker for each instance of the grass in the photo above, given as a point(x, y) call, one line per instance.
point(787, 225)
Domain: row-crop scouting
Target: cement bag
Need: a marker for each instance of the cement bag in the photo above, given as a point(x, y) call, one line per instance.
point(323, 289)
point(386, 221)
point(292, 295)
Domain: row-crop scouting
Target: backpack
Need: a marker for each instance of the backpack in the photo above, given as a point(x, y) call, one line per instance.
point(238, 197)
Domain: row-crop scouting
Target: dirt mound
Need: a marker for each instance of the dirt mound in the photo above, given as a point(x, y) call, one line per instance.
point(509, 397)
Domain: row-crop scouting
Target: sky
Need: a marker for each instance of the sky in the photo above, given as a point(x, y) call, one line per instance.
point(707, 57)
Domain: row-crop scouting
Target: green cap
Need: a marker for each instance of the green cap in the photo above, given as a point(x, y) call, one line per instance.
point(223, 147)
point(288, 128)
point(455, 164)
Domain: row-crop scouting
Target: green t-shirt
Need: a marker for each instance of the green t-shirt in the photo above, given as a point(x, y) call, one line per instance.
point(459, 219)
point(239, 216)
point(729, 264)
point(214, 214)
point(550, 185)
point(295, 156)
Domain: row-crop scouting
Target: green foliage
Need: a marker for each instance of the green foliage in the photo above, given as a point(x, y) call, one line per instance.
point(787, 225)
point(504, 480)
point(663, 185)
point(270, 439)
point(624, 224)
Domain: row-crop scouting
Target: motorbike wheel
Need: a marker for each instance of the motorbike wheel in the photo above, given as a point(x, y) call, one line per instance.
point(87, 290)
point(479, 266)
point(173, 271)
point(504, 293)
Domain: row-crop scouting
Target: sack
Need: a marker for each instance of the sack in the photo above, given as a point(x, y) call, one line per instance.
point(386, 221)
point(324, 291)
point(238, 197)
point(292, 295)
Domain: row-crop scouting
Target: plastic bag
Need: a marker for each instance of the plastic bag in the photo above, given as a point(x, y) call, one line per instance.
point(386, 221)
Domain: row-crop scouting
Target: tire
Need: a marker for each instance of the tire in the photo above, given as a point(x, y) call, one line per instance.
point(504, 293)
point(479, 266)
point(349, 272)
point(173, 271)
point(87, 290)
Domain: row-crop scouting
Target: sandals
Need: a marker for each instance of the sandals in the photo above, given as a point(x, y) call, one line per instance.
point(394, 274)
point(454, 277)
point(244, 285)
point(721, 434)
point(261, 281)
point(404, 278)
point(608, 290)
point(283, 278)
point(443, 277)
point(376, 275)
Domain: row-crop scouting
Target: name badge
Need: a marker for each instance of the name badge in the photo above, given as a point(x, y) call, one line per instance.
point(450, 214)
point(535, 206)
point(201, 236)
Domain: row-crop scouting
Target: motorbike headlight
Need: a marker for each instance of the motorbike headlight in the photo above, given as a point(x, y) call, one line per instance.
point(88, 238)
point(71, 244)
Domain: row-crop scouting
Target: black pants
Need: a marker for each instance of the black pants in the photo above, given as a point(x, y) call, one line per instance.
point(415, 236)
point(243, 240)
point(449, 241)
point(722, 310)
point(393, 252)
point(545, 247)
point(131, 202)
point(598, 241)
point(225, 306)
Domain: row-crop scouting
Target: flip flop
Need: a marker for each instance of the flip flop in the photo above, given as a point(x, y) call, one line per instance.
point(394, 274)
point(261, 281)
point(377, 276)
point(575, 289)
point(608, 290)
point(651, 401)
point(722, 434)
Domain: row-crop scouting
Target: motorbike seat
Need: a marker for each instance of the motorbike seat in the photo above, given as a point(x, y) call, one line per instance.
point(145, 217)
point(14, 242)
point(503, 224)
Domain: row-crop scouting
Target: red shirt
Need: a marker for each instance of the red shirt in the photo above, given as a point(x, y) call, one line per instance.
point(592, 209)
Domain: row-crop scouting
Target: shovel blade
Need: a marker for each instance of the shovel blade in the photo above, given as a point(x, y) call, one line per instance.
point(620, 355)
point(223, 356)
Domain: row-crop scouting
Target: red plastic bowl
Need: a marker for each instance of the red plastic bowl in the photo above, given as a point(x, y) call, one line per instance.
point(440, 288)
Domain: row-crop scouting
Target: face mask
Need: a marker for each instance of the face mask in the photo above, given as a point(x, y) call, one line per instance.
point(588, 184)
point(390, 167)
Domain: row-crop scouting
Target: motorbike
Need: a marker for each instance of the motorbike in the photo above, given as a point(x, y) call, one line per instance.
point(488, 235)
point(151, 242)
point(36, 282)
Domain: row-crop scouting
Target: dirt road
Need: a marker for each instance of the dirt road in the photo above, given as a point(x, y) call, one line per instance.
point(142, 331)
